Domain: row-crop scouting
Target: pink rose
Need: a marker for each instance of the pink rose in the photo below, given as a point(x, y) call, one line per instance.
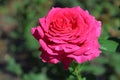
point(67, 34)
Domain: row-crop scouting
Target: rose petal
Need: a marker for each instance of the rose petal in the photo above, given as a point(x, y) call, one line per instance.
point(48, 58)
point(43, 24)
point(98, 29)
point(66, 62)
point(35, 33)
point(40, 31)
point(78, 59)
point(46, 48)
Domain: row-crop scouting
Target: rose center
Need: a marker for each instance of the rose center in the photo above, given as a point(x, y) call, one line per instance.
point(63, 24)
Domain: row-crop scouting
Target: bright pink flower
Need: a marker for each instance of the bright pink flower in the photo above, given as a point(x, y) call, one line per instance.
point(67, 34)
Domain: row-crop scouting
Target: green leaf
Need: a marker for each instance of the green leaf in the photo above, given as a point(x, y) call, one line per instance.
point(95, 69)
point(102, 60)
point(13, 67)
point(71, 77)
point(84, 78)
point(34, 76)
point(108, 45)
point(113, 77)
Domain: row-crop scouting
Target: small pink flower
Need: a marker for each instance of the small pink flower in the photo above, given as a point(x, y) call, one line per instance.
point(67, 34)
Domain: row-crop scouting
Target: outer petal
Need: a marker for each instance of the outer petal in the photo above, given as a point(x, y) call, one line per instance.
point(78, 9)
point(35, 33)
point(67, 48)
point(43, 24)
point(49, 58)
point(98, 28)
point(46, 48)
point(66, 62)
point(78, 59)
point(40, 31)
point(84, 58)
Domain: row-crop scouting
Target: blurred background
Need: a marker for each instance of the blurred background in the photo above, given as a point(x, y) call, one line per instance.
point(19, 55)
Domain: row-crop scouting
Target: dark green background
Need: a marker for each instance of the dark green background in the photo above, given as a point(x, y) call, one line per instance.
point(19, 55)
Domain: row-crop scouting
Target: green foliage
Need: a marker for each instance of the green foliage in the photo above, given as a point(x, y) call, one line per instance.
point(33, 76)
point(108, 45)
point(95, 69)
point(25, 13)
point(14, 67)
point(113, 77)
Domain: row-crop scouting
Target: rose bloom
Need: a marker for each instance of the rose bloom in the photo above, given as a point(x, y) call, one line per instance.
point(67, 34)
